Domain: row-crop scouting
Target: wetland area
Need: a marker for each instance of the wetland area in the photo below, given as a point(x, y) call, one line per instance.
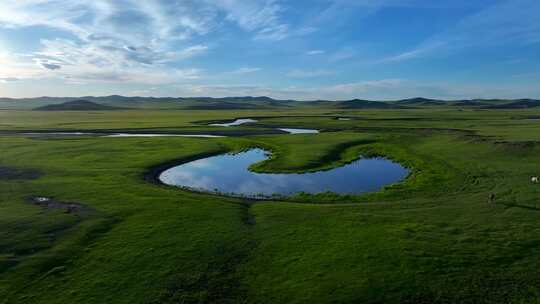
point(401, 193)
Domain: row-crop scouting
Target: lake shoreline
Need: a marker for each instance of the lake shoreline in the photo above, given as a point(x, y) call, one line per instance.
point(232, 175)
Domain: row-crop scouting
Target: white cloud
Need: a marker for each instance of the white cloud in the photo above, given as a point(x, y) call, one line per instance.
point(130, 21)
point(114, 40)
point(244, 70)
point(61, 59)
point(19, 66)
point(88, 62)
point(315, 52)
point(8, 79)
point(134, 76)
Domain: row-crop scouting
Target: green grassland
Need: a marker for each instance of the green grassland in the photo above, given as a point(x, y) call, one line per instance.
point(434, 238)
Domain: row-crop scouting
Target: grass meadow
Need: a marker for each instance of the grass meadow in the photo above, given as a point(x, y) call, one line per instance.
point(435, 237)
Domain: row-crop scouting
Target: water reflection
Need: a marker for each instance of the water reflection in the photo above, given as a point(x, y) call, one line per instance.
point(229, 174)
point(237, 122)
point(300, 131)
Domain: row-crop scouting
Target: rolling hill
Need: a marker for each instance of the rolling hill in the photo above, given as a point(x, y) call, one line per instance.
point(77, 105)
point(223, 105)
point(420, 101)
point(113, 102)
point(518, 104)
point(367, 104)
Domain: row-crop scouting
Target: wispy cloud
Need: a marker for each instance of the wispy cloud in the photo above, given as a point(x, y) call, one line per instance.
point(503, 23)
point(244, 70)
point(342, 54)
point(83, 62)
point(8, 79)
point(384, 88)
point(297, 73)
point(315, 52)
point(381, 89)
point(259, 16)
point(337, 13)
point(130, 36)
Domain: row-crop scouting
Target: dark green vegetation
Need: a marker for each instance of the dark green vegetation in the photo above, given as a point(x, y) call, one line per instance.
point(435, 238)
point(9, 173)
point(519, 104)
point(366, 104)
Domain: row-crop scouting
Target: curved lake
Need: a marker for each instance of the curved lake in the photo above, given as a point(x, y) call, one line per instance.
point(229, 173)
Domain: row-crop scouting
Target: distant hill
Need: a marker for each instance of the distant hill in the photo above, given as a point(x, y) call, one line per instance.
point(223, 105)
point(469, 103)
point(77, 105)
point(258, 99)
point(236, 102)
point(114, 102)
point(420, 101)
point(367, 104)
point(518, 104)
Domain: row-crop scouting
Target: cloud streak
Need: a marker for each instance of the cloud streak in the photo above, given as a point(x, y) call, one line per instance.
point(381, 89)
point(315, 52)
point(297, 73)
point(503, 23)
point(244, 70)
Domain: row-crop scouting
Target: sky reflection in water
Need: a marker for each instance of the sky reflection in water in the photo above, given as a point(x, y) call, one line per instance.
point(236, 122)
point(229, 173)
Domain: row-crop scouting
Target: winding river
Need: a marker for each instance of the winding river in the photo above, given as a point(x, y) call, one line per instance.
point(237, 122)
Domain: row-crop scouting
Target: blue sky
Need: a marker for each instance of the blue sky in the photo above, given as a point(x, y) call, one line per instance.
point(303, 49)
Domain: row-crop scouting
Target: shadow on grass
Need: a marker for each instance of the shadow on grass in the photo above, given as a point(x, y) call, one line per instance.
point(515, 205)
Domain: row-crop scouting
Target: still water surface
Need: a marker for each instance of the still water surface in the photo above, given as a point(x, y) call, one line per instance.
point(229, 173)
point(236, 122)
point(299, 131)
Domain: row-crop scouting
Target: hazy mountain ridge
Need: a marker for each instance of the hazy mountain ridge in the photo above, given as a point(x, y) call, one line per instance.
point(77, 105)
point(262, 102)
point(517, 104)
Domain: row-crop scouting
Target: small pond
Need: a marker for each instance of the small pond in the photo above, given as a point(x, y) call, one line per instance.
point(229, 173)
point(236, 122)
